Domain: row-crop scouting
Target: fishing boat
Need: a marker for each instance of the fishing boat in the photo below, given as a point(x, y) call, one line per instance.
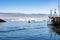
point(55, 19)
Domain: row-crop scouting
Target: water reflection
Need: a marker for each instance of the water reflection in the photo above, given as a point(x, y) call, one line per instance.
point(55, 28)
point(54, 32)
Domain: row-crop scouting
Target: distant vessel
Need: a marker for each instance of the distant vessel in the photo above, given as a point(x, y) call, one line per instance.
point(29, 21)
point(1, 20)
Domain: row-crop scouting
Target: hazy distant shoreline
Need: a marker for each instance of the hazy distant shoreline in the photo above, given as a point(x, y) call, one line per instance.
point(22, 15)
point(17, 16)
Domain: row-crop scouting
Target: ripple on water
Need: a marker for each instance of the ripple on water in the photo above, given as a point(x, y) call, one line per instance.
point(24, 31)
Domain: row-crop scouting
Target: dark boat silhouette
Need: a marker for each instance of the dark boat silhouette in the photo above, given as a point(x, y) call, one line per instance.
point(56, 29)
point(29, 21)
point(1, 20)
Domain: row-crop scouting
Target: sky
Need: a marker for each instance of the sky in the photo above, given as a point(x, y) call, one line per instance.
point(28, 6)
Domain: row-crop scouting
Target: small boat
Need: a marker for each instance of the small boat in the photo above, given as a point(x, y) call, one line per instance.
point(1, 20)
point(29, 21)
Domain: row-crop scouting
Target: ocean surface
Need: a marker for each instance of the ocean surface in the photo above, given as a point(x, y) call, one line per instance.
point(18, 30)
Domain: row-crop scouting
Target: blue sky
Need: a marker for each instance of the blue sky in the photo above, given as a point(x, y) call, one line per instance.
point(27, 6)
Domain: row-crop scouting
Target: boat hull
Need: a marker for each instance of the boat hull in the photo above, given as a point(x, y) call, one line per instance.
point(55, 20)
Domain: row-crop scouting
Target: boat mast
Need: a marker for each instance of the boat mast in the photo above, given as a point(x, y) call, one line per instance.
point(59, 7)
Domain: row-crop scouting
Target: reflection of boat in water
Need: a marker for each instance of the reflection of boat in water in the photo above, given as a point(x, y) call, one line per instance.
point(56, 29)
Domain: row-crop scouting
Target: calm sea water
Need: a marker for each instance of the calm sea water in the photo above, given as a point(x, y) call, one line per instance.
point(17, 30)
